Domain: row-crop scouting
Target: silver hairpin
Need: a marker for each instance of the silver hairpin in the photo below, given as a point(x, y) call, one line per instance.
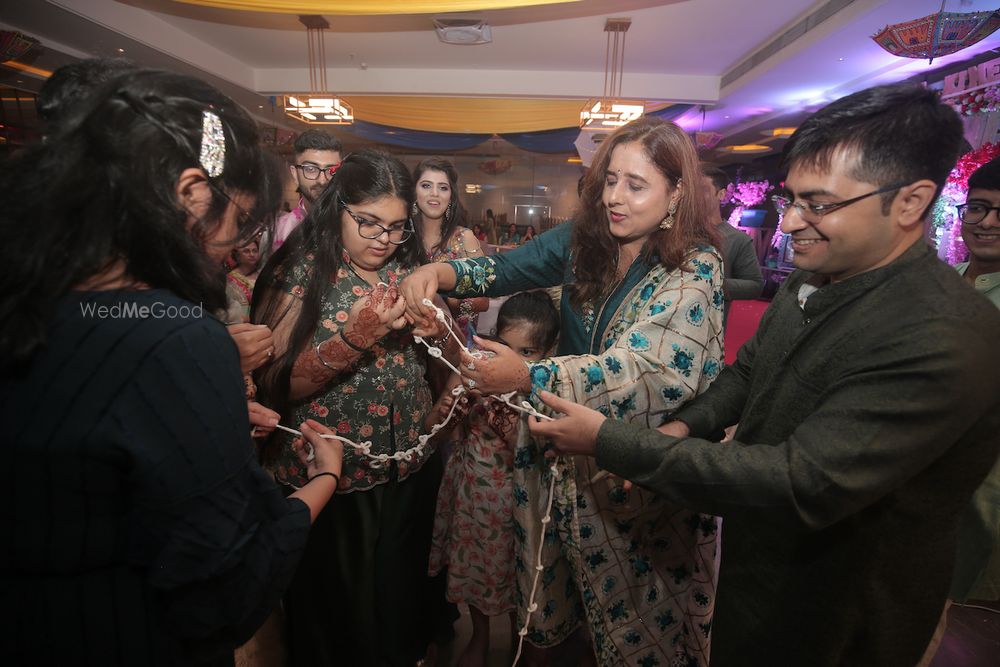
point(213, 144)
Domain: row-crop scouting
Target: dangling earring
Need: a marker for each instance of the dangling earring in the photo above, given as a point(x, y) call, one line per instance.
point(448, 212)
point(414, 209)
point(668, 221)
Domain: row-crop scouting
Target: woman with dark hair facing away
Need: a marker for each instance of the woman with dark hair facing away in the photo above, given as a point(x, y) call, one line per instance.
point(330, 294)
point(440, 219)
point(147, 534)
point(474, 523)
point(640, 334)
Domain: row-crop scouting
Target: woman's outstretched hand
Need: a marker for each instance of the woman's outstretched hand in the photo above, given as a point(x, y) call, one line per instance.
point(501, 372)
point(328, 454)
point(419, 285)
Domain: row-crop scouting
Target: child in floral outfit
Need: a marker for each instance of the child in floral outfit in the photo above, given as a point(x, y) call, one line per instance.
point(473, 526)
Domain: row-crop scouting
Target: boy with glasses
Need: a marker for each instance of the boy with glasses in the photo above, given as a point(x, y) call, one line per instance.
point(980, 216)
point(317, 157)
point(868, 406)
point(977, 567)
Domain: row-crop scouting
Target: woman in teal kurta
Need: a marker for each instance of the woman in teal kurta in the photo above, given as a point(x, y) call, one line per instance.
point(646, 337)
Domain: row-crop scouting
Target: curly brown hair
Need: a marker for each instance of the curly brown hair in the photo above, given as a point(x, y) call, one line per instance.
point(595, 250)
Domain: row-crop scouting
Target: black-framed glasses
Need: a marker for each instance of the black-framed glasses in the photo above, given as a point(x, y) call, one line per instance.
point(813, 213)
point(369, 229)
point(974, 212)
point(312, 171)
point(248, 227)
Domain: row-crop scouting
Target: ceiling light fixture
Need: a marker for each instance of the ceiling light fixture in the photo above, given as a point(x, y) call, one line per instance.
point(320, 107)
point(610, 110)
point(746, 148)
point(463, 31)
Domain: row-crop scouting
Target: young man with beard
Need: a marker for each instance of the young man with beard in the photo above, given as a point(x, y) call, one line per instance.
point(317, 156)
point(868, 406)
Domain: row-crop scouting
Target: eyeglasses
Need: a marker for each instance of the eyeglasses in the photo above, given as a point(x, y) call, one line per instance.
point(972, 213)
point(248, 227)
point(813, 213)
point(369, 229)
point(312, 171)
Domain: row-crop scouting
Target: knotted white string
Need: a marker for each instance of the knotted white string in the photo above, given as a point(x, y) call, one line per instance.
point(378, 460)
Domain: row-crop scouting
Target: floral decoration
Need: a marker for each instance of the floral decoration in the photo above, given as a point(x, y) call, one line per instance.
point(977, 101)
point(745, 194)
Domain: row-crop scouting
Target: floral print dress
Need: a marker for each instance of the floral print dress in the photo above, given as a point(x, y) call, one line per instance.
point(473, 524)
point(467, 319)
point(383, 399)
point(639, 571)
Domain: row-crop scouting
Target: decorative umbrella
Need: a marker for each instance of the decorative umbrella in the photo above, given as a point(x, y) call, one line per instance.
point(938, 34)
point(707, 140)
point(13, 44)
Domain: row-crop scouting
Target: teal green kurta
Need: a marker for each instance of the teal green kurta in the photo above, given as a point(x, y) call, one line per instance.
point(639, 570)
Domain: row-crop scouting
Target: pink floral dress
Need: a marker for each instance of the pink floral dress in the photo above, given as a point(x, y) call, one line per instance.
point(473, 524)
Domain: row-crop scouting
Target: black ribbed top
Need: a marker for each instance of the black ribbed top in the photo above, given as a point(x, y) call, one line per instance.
point(137, 527)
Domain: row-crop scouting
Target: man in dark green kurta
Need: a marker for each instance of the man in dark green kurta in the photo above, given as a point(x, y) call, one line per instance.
point(868, 406)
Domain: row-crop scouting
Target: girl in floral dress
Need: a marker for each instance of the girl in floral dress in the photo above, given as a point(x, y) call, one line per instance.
point(342, 358)
point(473, 525)
point(439, 217)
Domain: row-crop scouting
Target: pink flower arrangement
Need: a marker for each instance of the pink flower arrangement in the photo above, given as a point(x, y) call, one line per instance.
point(748, 193)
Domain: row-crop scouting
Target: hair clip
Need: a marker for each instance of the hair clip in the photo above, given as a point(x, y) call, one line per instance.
point(213, 144)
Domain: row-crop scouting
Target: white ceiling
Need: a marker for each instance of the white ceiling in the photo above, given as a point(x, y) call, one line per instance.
point(676, 51)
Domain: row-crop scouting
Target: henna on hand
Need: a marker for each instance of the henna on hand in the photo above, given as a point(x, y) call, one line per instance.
point(310, 364)
point(503, 419)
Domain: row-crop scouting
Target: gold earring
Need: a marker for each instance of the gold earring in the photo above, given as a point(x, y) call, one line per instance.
point(414, 209)
point(668, 221)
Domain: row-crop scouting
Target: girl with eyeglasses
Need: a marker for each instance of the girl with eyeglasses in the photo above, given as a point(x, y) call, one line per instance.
point(330, 295)
point(140, 528)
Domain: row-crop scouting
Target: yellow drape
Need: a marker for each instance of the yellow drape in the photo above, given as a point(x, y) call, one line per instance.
point(370, 7)
point(474, 115)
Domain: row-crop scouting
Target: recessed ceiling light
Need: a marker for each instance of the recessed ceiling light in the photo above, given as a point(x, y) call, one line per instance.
point(260, 106)
point(841, 59)
point(121, 50)
point(725, 116)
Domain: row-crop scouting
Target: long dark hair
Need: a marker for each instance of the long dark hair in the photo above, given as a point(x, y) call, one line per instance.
point(455, 214)
point(595, 250)
point(102, 189)
point(363, 176)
